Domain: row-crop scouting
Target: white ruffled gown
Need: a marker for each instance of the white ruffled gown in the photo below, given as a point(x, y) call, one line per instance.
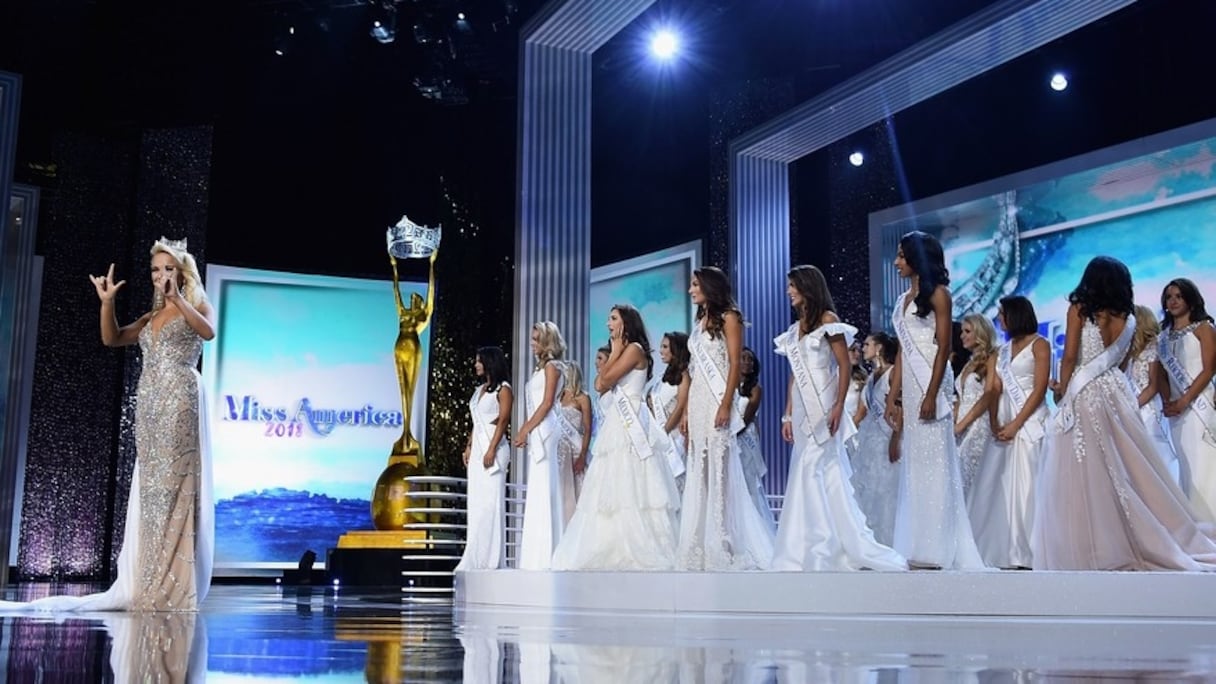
point(486, 508)
point(931, 526)
point(544, 501)
point(821, 525)
point(1001, 506)
point(626, 514)
point(875, 478)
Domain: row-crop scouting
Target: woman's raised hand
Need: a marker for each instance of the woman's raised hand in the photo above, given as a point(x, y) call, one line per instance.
point(106, 287)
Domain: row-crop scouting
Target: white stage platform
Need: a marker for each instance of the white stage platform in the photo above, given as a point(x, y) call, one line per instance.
point(1162, 595)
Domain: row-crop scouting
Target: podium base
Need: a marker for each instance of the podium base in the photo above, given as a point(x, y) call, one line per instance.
point(382, 539)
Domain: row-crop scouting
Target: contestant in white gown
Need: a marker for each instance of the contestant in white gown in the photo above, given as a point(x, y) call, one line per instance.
point(626, 516)
point(1188, 357)
point(485, 458)
point(720, 528)
point(1105, 500)
point(549, 483)
point(668, 400)
point(1002, 498)
point(975, 391)
point(1148, 379)
point(931, 528)
point(821, 525)
point(575, 427)
point(875, 477)
point(755, 468)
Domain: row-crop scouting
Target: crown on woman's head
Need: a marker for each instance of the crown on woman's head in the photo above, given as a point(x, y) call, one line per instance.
point(174, 244)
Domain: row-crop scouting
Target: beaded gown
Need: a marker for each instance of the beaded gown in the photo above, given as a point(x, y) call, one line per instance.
point(875, 478)
point(486, 509)
point(568, 448)
point(720, 526)
point(978, 436)
point(1155, 422)
point(169, 533)
point(1105, 500)
point(931, 525)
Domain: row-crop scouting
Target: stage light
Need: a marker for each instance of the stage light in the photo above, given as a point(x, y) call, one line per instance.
point(336, 581)
point(460, 16)
point(857, 159)
point(1059, 82)
point(384, 23)
point(664, 44)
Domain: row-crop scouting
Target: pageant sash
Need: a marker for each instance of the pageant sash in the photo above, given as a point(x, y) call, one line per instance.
point(544, 430)
point(876, 405)
point(1004, 368)
point(675, 455)
point(632, 422)
point(713, 377)
point(816, 417)
point(1109, 358)
point(915, 361)
point(1202, 407)
point(569, 432)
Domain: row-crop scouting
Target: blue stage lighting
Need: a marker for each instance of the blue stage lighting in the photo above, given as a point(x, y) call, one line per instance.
point(664, 44)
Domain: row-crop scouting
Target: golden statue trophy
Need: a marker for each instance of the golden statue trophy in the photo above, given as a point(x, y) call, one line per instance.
point(393, 495)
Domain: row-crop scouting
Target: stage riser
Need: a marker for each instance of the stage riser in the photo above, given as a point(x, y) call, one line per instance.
point(386, 568)
point(986, 594)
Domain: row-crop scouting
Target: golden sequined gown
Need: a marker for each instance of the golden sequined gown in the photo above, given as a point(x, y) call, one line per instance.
point(169, 538)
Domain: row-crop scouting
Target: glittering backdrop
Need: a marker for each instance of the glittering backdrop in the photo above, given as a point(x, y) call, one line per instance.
point(734, 110)
point(113, 195)
point(472, 309)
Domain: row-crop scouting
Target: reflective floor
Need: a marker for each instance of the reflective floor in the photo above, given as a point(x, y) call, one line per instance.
point(270, 634)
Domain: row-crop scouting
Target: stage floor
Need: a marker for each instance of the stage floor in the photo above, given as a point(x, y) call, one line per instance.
point(271, 634)
point(922, 594)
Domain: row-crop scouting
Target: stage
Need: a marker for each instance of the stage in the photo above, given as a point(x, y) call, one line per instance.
point(1013, 594)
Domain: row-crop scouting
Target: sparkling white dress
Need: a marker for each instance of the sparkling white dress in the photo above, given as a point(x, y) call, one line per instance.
point(974, 441)
point(875, 478)
point(821, 525)
point(169, 533)
point(754, 467)
point(545, 500)
point(626, 516)
point(486, 507)
point(720, 526)
point(666, 396)
point(1194, 442)
point(1105, 499)
point(1001, 506)
point(1155, 422)
point(931, 525)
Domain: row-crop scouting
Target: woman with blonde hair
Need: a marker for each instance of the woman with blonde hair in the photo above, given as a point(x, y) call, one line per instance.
point(575, 423)
point(544, 503)
point(1144, 370)
point(169, 534)
point(975, 389)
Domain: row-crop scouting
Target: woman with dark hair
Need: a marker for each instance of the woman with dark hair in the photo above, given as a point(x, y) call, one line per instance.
point(486, 456)
point(1188, 357)
point(720, 528)
point(668, 399)
point(931, 529)
point(626, 515)
point(750, 454)
point(1001, 505)
point(822, 526)
point(1105, 501)
point(875, 475)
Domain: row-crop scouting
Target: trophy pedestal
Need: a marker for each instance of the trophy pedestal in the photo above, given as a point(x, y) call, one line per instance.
point(382, 539)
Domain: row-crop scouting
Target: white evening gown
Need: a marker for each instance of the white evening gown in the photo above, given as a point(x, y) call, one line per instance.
point(626, 514)
point(1001, 506)
point(875, 478)
point(1105, 499)
point(664, 398)
point(973, 443)
point(754, 467)
point(1155, 422)
point(544, 501)
point(931, 525)
point(486, 507)
point(720, 526)
point(1194, 443)
point(821, 525)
